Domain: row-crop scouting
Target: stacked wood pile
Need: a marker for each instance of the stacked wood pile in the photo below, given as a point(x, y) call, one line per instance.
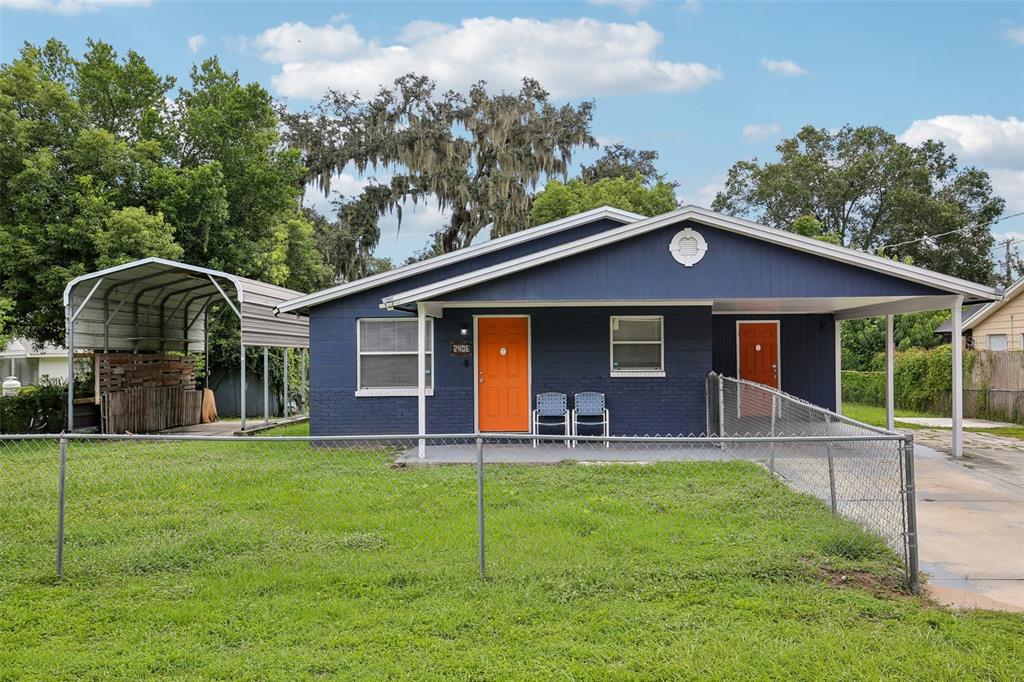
point(121, 371)
point(142, 393)
point(144, 410)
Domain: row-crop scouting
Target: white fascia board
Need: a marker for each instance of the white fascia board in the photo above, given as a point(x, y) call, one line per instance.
point(717, 220)
point(530, 234)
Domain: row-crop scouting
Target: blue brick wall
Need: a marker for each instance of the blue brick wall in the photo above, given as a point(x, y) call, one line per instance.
point(570, 353)
point(806, 353)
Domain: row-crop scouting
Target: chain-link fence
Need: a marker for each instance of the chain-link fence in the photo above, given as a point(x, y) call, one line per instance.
point(361, 506)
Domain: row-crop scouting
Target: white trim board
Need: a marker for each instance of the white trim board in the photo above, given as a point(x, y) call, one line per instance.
point(554, 227)
point(790, 240)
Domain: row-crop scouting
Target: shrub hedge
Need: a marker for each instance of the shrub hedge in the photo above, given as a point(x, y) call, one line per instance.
point(36, 409)
point(922, 380)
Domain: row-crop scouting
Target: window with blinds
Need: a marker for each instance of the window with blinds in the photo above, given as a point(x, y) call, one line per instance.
point(637, 344)
point(387, 354)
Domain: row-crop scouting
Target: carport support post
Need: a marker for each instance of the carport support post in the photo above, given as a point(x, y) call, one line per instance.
point(304, 407)
point(839, 366)
point(958, 378)
point(241, 384)
point(71, 368)
point(266, 385)
point(284, 409)
point(910, 492)
point(890, 393)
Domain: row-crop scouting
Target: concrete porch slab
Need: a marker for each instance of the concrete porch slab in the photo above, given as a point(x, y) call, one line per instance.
point(947, 423)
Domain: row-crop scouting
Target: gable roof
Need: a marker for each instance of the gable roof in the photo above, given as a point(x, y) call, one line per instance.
point(953, 285)
point(543, 230)
point(975, 314)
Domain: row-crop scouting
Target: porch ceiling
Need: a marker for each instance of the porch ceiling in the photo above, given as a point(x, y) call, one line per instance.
point(844, 308)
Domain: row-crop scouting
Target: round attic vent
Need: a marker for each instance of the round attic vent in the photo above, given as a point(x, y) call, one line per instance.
point(688, 247)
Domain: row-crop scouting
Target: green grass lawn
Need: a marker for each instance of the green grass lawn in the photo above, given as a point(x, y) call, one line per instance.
point(253, 561)
point(874, 415)
point(871, 414)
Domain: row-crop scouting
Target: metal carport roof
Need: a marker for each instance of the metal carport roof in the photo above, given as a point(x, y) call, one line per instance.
point(155, 304)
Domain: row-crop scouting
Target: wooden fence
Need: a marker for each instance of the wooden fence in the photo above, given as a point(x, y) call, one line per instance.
point(148, 409)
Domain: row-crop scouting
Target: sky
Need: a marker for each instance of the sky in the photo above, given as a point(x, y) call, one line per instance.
point(703, 83)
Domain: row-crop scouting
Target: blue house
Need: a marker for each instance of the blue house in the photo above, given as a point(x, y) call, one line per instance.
point(640, 309)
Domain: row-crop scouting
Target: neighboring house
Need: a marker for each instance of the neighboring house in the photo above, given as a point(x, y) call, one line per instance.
point(993, 326)
point(30, 363)
point(640, 309)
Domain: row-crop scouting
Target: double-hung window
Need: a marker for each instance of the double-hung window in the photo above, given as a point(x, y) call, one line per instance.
point(637, 345)
point(997, 342)
point(387, 357)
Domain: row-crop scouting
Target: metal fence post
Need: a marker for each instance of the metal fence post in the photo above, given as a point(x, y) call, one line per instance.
point(771, 455)
point(910, 493)
point(831, 465)
point(721, 406)
point(480, 503)
point(60, 506)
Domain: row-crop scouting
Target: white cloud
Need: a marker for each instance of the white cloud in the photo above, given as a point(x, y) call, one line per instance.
point(70, 6)
point(786, 67)
point(976, 138)
point(631, 6)
point(995, 144)
point(756, 132)
point(1014, 34)
point(195, 42)
point(298, 42)
point(582, 57)
point(1009, 184)
point(704, 196)
point(692, 6)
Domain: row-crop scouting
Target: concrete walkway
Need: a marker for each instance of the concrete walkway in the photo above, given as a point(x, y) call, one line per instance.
point(947, 423)
point(971, 519)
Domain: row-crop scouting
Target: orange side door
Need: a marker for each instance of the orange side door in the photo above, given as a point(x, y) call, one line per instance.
point(759, 352)
point(503, 373)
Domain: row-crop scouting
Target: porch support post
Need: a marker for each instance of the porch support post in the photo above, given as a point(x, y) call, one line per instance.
point(421, 370)
point(890, 393)
point(958, 378)
point(839, 366)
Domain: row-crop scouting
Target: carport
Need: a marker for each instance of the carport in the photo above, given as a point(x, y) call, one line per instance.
point(155, 306)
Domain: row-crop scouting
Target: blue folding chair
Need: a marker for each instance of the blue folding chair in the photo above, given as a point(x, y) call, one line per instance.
point(550, 407)
point(589, 410)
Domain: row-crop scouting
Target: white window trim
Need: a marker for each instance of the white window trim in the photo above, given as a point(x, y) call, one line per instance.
point(1005, 337)
point(391, 391)
point(635, 373)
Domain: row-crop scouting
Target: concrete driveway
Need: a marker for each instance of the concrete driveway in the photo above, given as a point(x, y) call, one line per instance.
point(971, 519)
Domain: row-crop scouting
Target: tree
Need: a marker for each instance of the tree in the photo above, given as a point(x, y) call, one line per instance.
point(478, 155)
point(97, 168)
point(620, 161)
point(863, 340)
point(875, 193)
point(559, 200)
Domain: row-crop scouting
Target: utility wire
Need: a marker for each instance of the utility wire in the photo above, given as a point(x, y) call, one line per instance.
point(959, 229)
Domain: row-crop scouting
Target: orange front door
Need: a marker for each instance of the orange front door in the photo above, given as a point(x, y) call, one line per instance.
point(503, 373)
point(759, 352)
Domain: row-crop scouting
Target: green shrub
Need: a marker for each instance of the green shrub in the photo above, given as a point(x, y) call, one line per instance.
point(36, 409)
point(922, 380)
point(867, 388)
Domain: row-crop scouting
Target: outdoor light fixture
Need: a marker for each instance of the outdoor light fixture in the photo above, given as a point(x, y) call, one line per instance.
point(464, 329)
